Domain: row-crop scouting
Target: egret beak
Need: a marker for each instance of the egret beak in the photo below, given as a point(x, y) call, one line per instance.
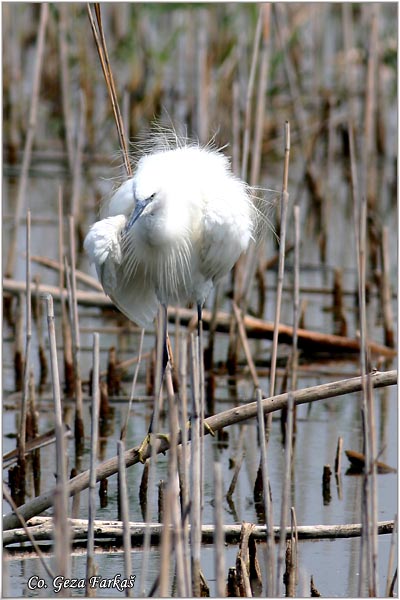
point(139, 208)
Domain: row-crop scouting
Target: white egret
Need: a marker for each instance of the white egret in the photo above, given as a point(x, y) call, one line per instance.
point(173, 230)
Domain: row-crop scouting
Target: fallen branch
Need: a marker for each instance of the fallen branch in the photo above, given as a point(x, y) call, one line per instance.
point(308, 341)
point(39, 442)
point(41, 528)
point(214, 423)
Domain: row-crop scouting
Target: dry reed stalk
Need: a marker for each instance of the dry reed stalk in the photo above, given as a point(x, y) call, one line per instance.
point(338, 457)
point(202, 400)
point(19, 344)
point(78, 151)
point(270, 566)
point(58, 266)
point(265, 11)
point(365, 554)
point(27, 367)
point(391, 558)
point(209, 352)
point(249, 95)
point(372, 473)
point(65, 324)
point(291, 574)
point(184, 460)
point(195, 469)
point(94, 434)
point(30, 136)
point(166, 548)
point(28, 533)
point(61, 526)
point(281, 267)
point(386, 290)
point(109, 79)
point(79, 426)
point(153, 452)
point(229, 417)
point(245, 345)
point(368, 151)
point(183, 583)
point(285, 487)
point(202, 84)
point(219, 550)
point(238, 463)
point(65, 82)
point(132, 395)
point(235, 129)
point(123, 495)
point(38, 317)
point(296, 305)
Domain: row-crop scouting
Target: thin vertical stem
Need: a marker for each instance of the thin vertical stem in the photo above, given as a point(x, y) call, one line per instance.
point(76, 179)
point(61, 527)
point(285, 489)
point(25, 393)
point(219, 538)
point(65, 82)
point(79, 428)
point(90, 565)
point(126, 534)
point(296, 294)
point(128, 412)
point(33, 111)
point(281, 267)
point(195, 507)
point(261, 95)
point(249, 95)
point(270, 591)
point(108, 76)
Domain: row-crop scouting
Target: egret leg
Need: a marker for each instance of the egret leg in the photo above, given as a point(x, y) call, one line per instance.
point(165, 361)
point(200, 335)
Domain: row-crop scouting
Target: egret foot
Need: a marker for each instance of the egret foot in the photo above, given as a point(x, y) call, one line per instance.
point(147, 442)
point(208, 428)
point(143, 447)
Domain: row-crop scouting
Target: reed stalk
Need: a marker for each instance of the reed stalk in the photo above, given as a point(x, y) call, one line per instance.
point(270, 566)
point(285, 487)
point(29, 535)
point(78, 151)
point(153, 450)
point(124, 427)
point(249, 95)
point(123, 495)
point(265, 11)
point(27, 367)
point(30, 136)
point(79, 425)
point(65, 83)
point(101, 46)
point(61, 526)
point(195, 471)
point(219, 550)
point(94, 436)
point(386, 290)
point(281, 266)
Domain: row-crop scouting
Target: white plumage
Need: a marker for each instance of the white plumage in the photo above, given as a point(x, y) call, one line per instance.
point(171, 231)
